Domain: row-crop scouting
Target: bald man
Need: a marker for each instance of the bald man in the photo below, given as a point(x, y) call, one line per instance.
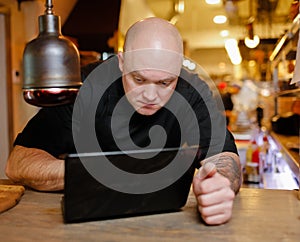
point(148, 73)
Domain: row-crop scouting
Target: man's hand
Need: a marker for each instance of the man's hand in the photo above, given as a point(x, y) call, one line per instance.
point(214, 195)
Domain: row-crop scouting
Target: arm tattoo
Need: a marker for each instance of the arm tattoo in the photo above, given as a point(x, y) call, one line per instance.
point(228, 166)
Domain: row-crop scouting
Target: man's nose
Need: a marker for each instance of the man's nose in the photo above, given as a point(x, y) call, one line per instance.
point(150, 92)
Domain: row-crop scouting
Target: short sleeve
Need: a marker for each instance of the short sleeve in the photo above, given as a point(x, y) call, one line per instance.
point(214, 135)
point(50, 130)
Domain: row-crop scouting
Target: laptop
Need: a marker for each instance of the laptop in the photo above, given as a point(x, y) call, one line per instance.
point(163, 183)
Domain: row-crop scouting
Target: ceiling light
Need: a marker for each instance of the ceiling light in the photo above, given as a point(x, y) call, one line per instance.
point(233, 51)
point(251, 40)
point(231, 8)
point(179, 7)
point(224, 33)
point(211, 2)
point(222, 66)
point(220, 19)
point(252, 43)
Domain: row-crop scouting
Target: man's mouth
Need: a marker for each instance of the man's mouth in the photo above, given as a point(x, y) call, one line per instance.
point(149, 105)
point(147, 108)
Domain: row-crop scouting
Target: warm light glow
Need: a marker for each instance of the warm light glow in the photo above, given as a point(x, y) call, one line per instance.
point(213, 1)
point(222, 66)
point(265, 92)
point(252, 63)
point(224, 33)
point(54, 90)
point(220, 19)
point(277, 48)
point(233, 51)
point(252, 43)
point(179, 7)
point(231, 8)
point(189, 64)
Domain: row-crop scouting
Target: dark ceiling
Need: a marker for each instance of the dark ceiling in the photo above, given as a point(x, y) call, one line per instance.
point(92, 23)
point(266, 46)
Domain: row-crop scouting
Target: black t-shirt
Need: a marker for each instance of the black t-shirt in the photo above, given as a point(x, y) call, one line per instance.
point(51, 128)
point(227, 101)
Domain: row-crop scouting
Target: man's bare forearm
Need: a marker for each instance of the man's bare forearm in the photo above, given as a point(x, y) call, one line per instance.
point(228, 165)
point(35, 168)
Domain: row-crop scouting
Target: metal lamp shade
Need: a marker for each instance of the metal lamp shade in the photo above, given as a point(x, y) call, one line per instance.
point(51, 66)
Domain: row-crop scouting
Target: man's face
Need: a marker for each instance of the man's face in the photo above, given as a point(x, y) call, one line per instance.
point(149, 90)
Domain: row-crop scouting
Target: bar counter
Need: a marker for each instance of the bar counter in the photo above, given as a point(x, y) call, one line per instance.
point(258, 215)
point(291, 156)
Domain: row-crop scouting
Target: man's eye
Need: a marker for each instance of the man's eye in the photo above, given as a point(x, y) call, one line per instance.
point(165, 83)
point(138, 79)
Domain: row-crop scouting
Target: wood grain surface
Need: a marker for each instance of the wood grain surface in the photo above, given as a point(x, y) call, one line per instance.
point(258, 215)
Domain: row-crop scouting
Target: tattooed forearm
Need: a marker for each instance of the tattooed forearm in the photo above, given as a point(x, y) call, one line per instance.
point(228, 165)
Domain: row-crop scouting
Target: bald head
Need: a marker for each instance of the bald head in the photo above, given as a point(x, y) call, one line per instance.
point(155, 33)
point(152, 43)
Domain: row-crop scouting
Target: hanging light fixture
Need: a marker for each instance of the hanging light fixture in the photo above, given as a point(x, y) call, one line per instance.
point(251, 40)
point(178, 10)
point(51, 65)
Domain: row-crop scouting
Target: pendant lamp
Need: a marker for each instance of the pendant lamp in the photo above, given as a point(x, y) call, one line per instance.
point(51, 65)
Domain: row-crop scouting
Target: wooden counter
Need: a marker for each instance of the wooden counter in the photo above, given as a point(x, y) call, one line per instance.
point(291, 156)
point(258, 215)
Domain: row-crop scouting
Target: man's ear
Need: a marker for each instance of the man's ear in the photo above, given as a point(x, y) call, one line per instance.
point(121, 60)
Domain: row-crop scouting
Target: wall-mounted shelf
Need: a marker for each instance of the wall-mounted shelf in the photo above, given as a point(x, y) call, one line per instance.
point(287, 45)
point(285, 49)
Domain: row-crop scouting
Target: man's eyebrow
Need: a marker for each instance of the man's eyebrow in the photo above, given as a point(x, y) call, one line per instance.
point(170, 78)
point(135, 73)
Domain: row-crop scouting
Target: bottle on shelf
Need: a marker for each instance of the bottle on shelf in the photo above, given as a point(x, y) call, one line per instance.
point(252, 169)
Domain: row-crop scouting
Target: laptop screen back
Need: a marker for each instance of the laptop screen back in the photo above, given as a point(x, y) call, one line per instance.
point(88, 198)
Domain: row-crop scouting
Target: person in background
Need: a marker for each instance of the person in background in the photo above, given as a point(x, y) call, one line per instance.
point(226, 98)
point(227, 91)
point(148, 87)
